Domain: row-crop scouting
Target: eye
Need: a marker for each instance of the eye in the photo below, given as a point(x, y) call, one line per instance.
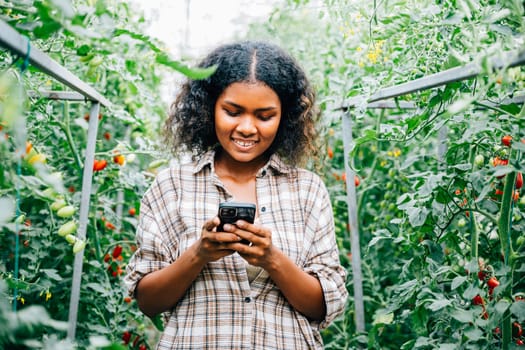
point(232, 113)
point(265, 118)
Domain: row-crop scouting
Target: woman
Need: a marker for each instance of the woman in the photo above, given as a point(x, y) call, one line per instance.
point(247, 126)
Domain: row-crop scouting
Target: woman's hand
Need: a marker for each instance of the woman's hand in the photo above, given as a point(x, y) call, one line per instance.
point(214, 245)
point(302, 290)
point(260, 251)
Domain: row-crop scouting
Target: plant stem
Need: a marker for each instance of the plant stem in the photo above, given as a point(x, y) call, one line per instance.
point(373, 167)
point(473, 225)
point(65, 126)
point(505, 239)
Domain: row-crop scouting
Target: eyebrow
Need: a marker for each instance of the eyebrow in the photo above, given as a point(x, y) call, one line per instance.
point(264, 109)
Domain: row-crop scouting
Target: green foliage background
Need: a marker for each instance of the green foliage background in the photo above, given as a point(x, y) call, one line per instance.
point(434, 211)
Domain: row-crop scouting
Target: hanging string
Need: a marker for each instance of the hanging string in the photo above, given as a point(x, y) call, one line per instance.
point(23, 66)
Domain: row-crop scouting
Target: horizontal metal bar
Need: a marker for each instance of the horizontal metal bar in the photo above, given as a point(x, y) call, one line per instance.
point(382, 104)
point(410, 105)
point(18, 44)
point(505, 102)
point(447, 76)
point(58, 95)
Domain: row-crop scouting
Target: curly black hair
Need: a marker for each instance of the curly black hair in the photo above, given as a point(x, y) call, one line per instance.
point(190, 127)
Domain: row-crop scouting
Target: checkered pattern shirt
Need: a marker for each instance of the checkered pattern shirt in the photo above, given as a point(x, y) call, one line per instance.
point(222, 309)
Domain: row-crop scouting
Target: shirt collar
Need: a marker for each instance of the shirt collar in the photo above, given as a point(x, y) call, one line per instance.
point(275, 163)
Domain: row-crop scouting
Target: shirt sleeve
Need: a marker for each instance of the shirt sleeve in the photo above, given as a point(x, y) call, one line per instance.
point(323, 260)
point(152, 253)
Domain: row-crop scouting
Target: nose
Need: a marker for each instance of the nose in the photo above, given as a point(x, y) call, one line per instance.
point(246, 125)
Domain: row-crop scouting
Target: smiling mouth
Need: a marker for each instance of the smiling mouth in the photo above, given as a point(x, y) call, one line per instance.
point(244, 143)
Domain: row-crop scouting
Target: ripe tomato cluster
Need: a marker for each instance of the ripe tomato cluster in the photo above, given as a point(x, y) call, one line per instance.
point(137, 341)
point(501, 158)
point(114, 261)
point(486, 277)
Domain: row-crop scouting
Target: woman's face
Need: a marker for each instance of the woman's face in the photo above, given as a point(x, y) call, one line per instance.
point(247, 117)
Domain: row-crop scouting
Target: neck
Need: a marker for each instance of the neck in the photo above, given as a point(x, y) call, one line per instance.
point(229, 167)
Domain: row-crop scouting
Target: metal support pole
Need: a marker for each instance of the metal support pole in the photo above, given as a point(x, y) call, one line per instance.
point(83, 219)
point(18, 44)
point(354, 230)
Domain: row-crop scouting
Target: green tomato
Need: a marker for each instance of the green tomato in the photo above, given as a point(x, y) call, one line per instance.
point(58, 204)
point(49, 193)
point(78, 246)
point(157, 163)
point(20, 219)
point(479, 160)
point(67, 228)
point(71, 239)
point(462, 222)
point(66, 212)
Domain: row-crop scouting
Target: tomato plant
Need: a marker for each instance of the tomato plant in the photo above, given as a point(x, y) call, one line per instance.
point(439, 220)
point(441, 217)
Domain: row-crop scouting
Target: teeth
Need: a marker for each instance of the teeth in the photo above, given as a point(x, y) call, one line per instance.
point(244, 143)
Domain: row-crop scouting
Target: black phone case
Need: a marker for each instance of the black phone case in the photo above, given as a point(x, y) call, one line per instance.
point(230, 212)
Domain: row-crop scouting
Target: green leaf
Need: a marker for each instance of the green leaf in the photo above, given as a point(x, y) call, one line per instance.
point(474, 334)
point(65, 7)
point(368, 135)
point(163, 58)
point(502, 306)
point(193, 73)
point(417, 216)
point(439, 304)
point(518, 309)
point(380, 317)
point(96, 287)
point(52, 274)
point(7, 209)
point(421, 341)
point(448, 346)
point(458, 281)
point(376, 239)
point(463, 316)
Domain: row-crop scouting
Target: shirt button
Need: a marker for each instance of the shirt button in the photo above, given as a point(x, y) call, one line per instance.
point(247, 299)
point(263, 209)
point(263, 173)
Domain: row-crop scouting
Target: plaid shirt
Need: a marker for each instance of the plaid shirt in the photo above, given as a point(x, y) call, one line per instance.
point(222, 309)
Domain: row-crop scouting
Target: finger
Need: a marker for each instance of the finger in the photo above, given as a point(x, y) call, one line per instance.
point(255, 230)
point(224, 237)
point(211, 224)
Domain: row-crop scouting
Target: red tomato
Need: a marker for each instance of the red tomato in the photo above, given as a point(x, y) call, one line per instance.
point(126, 336)
point(481, 275)
point(519, 181)
point(132, 211)
point(517, 331)
point(119, 159)
point(506, 140)
point(117, 251)
point(109, 225)
point(99, 165)
point(493, 282)
point(477, 300)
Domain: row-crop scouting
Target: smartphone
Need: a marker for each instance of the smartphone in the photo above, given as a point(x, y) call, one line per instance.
point(230, 212)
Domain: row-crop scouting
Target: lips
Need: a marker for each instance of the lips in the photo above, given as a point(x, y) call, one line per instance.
point(244, 144)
